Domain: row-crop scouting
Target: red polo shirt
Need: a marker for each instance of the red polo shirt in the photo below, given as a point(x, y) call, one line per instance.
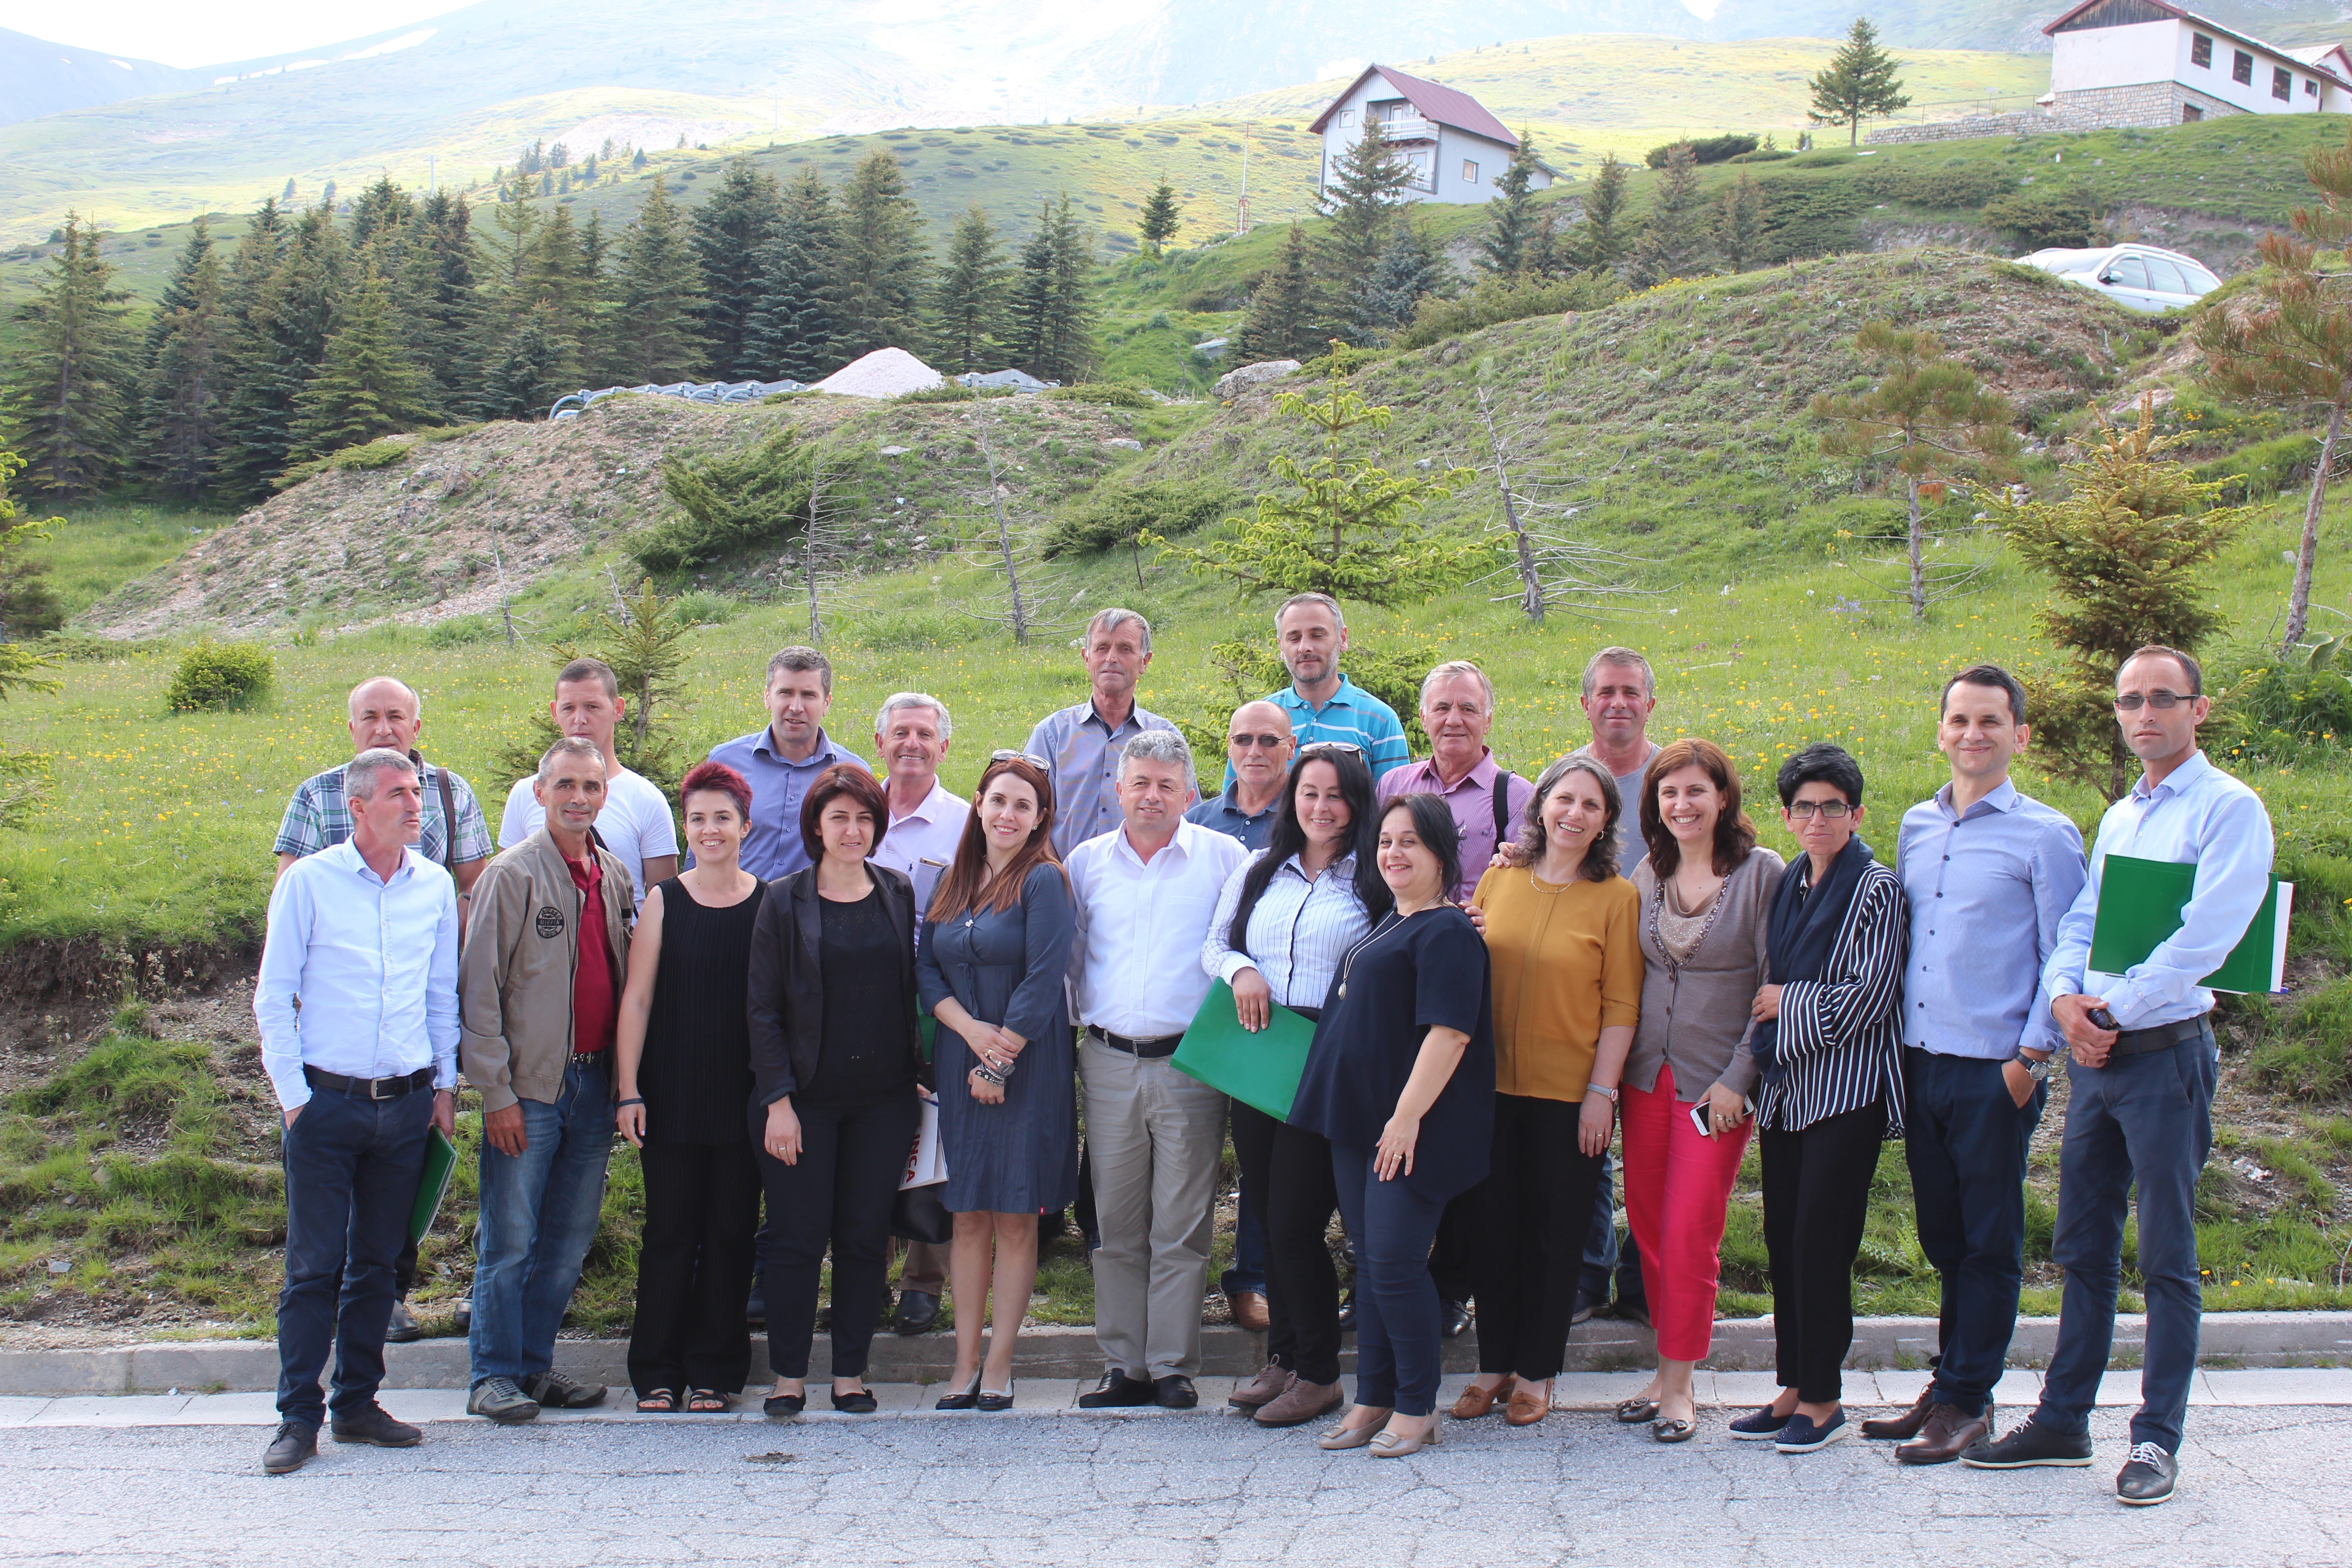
point(594, 1005)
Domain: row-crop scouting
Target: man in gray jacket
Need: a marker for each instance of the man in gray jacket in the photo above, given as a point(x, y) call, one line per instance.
point(538, 991)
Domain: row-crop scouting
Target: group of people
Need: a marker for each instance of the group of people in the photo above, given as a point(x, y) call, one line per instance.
point(1505, 978)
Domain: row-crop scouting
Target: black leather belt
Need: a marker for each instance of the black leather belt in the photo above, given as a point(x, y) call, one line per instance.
point(372, 1087)
point(1145, 1050)
point(588, 1059)
point(2163, 1038)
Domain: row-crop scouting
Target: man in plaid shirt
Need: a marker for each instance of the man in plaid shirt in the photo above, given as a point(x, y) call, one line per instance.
point(385, 712)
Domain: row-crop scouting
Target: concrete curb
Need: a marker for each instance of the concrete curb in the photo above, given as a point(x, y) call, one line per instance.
point(1602, 1345)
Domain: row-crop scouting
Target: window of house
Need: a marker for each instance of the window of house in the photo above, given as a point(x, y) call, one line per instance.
point(1469, 172)
point(2191, 114)
point(2200, 51)
point(1387, 111)
point(2282, 83)
point(1347, 117)
point(1419, 161)
point(2310, 88)
point(2242, 68)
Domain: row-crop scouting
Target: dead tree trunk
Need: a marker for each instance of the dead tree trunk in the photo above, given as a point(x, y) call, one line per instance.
point(1531, 597)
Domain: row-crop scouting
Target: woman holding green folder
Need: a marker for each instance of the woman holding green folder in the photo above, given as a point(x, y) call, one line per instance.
point(1283, 923)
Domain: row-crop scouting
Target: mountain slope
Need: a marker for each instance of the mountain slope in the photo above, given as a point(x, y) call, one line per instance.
point(43, 78)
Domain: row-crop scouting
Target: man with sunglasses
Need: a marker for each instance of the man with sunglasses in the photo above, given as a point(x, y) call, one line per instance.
point(2139, 1110)
point(1258, 747)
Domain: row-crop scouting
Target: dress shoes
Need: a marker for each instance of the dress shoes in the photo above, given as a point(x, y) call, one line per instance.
point(1301, 1402)
point(1455, 1321)
point(296, 1445)
point(1527, 1406)
point(1908, 1426)
point(1261, 1390)
point(918, 1312)
point(402, 1329)
point(2028, 1444)
point(1946, 1434)
point(370, 1424)
point(1476, 1400)
point(2147, 1478)
point(1117, 1390)
point(1174, 1391)
point(1250, 1311)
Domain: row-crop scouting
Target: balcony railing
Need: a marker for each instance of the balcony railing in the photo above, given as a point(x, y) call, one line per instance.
point(1407, 130)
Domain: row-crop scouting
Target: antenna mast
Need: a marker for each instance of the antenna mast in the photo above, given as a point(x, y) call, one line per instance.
point(1240, 218)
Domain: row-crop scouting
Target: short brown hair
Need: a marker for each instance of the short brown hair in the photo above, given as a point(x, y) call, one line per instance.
point(801, 660)
point(852, 780)
point(594, 669)
point(1735, 835)
point(2189, 667)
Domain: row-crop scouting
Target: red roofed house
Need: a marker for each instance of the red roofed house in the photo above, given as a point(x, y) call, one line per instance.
point(2150, 62)
point(1456, 148)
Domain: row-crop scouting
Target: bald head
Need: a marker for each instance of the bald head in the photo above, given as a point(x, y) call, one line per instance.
point(1259, 742)
point(385, 715)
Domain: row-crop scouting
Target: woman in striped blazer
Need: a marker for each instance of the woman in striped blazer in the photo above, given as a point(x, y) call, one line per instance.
point(1830, 1050)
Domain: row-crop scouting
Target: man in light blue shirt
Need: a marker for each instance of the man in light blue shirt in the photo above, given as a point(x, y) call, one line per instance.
point(2141, 1079)
point(1079, 747)
point(357, 1001)
point(1989, 872)
point(1310, 634)
point(783, 758)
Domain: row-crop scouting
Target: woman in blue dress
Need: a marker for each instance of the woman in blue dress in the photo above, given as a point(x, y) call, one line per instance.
point(995, 948)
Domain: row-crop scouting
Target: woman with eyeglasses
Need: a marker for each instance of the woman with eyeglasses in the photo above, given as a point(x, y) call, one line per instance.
point(1828, 1043)
point(1400, 1078)
point(995, 951)
point(1283, 923)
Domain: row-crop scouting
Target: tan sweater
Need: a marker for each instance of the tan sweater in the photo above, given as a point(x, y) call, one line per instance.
point(514, 975)
point(1567, 963)
point(1695, 1016)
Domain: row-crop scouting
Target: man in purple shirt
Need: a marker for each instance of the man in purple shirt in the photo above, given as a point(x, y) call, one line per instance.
point(1457, 709)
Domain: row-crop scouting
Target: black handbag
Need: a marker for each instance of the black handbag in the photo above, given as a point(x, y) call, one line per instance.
point(920, 1214)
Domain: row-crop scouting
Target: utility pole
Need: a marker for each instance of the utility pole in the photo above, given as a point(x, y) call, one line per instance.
point(429, 167)
point(1240, 218)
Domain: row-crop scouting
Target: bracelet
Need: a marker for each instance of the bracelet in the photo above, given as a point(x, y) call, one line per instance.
point(987, 1074)
point(619, 1103)
point(1604, 1091)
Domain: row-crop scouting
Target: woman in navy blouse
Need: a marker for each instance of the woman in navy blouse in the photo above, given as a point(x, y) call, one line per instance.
point(996, 945)
point(1400, 1078)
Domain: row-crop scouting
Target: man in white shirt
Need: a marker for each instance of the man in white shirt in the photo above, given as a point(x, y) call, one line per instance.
point(636, 823)
point(910, 735)
point(357, 1001)
point(1144, 894)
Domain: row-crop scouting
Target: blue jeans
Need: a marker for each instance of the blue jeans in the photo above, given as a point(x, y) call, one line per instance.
point(351, 1169)
point(540, 1211)
point(1966, 1141)
point(1248, 1272)
point(2144, 1119)
point(1396, 1316)
point(1605, 1253)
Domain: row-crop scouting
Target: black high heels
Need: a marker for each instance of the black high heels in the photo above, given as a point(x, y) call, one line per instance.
point(968, 1400)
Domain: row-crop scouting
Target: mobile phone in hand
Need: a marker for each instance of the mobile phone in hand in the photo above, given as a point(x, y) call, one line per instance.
point(1702, 1119)
point(2103, 1019)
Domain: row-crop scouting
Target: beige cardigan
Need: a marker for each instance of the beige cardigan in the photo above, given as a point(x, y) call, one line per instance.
point(1696, 1017)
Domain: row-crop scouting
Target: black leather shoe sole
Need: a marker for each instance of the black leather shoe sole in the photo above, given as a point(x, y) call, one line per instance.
point(783, 1406)
point(861, 1402)
point(401, 1435)
point(1117, 1399)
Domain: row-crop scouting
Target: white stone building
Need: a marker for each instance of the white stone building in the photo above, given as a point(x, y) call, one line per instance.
point(2148, 62)
point(1454, 147)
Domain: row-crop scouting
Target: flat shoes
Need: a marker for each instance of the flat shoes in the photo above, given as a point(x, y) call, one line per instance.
point(1633, 1412)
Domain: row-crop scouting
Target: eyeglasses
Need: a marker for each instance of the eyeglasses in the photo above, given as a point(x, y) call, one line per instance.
point(1270, 742)
point(2162, 701)
point(1827, 810)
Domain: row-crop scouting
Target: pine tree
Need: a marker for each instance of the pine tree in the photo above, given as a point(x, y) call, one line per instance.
point(1671, 244)
point(72, 379)
point(1052, 315)
point(1280, 321)
point(639, 160)
point(187, 359)
point(881, 264)
point(1740, 227)
point(1511, 220)
point(367, 385)
point(654, 328)
point(382, 207)
point(1601, 242)
point(530, 371)
point(793, 325)
point(1366, 183)
point(1408, 270)
point(285, 326)
point(1073, 306)
point(1161, 219)
point(731, 230)
point(1859, 82)
point(968, 308)
point(438, 288)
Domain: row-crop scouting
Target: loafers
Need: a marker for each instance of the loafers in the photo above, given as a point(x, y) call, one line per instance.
point(295, 1446)
point(1391, 1445)
point(402, 1329)
point(556, 1392)
point(2147, 1478)
point(1760, 1426)
point(371, 1425)
point(1633, 1412)
point(1117, 1390)
point(1344, 1437)
point(500, 1400)
point(2029, 1445)
point(1905, 1426)
point(1250, 1311)
point(1454, 1320)
point(1527, 1406)
point(918, 1312)
point(1476, 1400)
point(785, 1406)
point(1261, 1390)
point(1174, 1391)
point(1301, 1402)
point(1946, 1434)
point(1803, 1435)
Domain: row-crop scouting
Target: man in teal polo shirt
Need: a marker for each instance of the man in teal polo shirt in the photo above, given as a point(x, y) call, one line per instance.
point(1310, 634)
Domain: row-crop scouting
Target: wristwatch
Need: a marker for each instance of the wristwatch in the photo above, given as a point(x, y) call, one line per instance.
point(2039, 1071)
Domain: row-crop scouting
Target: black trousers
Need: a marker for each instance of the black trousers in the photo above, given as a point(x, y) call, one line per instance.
point(1816, 1199)
point(840, 1191)
point(1534, 1211)
point(694, 1266)
point(1453, 1256)
point(1289, 1170)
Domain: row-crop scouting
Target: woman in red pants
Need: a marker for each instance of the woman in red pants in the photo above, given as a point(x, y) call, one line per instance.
point(1707, 895)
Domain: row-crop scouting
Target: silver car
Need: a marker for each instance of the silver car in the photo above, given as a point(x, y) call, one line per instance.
point(2137, 276)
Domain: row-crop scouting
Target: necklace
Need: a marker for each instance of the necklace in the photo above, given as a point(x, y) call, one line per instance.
point(1388, 923)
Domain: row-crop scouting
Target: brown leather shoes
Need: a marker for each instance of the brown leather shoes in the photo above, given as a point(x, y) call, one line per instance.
point(1905, 1426)
point(1301, 1402)
point(1945, 1435)
point(1527, 1406)
point(1249, 1311)
point(1476, 1401)
point(1263, 1389)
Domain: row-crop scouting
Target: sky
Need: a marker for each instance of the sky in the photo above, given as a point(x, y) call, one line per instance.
point(210, 32)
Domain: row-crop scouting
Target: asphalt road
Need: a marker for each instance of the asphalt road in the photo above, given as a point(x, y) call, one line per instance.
point(2260, 1485)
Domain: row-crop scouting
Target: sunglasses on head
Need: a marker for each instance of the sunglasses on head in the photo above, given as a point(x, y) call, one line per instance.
point(1319, 747)
point(1008, 757)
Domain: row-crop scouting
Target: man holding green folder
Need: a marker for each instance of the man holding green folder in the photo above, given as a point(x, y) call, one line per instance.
point(2141, 1082)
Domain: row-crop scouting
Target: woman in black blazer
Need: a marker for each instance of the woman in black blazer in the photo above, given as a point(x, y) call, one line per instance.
point(836, 1061)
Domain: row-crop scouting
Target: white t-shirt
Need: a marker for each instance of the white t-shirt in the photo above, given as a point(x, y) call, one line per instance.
point(635, 825)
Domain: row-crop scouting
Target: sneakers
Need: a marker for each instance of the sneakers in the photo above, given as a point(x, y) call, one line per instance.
point(1803, 1435)
point(502, 1402)
point(2028, 1444)
point(370, 1423)
point(1762, 1426)
point(556, 1392)
point(404, 1329)
point(2147, 1478)
point(295, 1446)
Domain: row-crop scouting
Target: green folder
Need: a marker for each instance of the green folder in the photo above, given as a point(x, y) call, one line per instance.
point(2139, 908)
point(1260, 1069)
point(440, 1163)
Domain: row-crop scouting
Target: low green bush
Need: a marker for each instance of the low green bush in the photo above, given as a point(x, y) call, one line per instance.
point(1957, 186)
point(1105, 394)
point(220, 675)
point(1114, 515)
point(2048, 216)
point(1706, 150)
point(1497, 300)
point(2303, 1054)
point(2279, 713)
point(2263, 469)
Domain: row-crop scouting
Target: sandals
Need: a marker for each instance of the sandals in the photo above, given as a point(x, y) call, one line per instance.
point(708, 1401)
point(659, 1402)
point(1633, 1412)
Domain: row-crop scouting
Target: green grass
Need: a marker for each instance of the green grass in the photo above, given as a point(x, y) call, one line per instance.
point(93, 550)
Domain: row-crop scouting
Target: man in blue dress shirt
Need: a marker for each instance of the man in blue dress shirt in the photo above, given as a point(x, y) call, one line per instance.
point(357, 999)
point(1079, 747)
point(1990, 872)
point(782, 758)
point(1258, 749)
point(2141, 1082)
